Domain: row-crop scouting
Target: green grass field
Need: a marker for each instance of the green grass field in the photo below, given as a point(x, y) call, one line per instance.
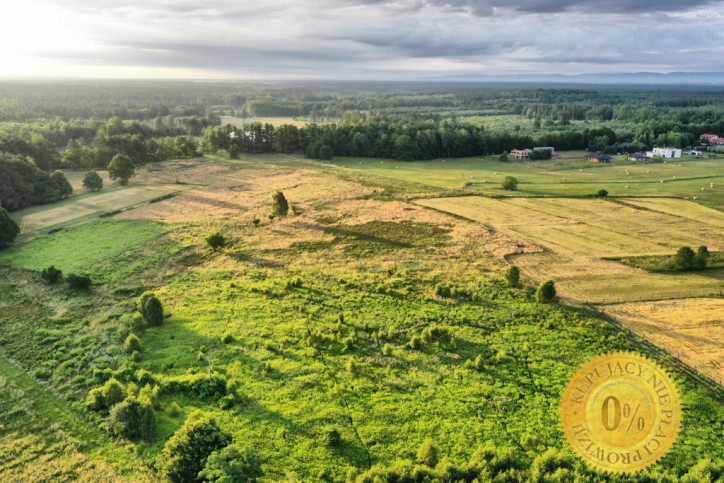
point(361, 313)
point(484, 175)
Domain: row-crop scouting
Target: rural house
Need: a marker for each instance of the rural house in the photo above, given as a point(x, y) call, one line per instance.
point(637, 157)
point(521, 153)
point(598, 157)
point(664, 153)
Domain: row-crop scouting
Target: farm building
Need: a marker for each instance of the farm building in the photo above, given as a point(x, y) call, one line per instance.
point(664, 153)
point(598, 157)
point(521, 153)
point(637, 157)
point(708, 137)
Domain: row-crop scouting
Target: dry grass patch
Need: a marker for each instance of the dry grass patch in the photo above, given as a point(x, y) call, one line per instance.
point(691, 329)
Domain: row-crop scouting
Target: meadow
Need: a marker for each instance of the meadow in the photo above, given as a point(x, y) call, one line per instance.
point(359, 313)
point(567, 177)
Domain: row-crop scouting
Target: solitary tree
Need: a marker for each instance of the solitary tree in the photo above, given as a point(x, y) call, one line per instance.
point(684, 259)
point(121, 168)
point(9, 230)
point(216, 240)
point(504, 157)
point(280, 206)
point(92, 181)
point(185, 453)
point(512, 276)
point(510, 183)
point(62, 186)
point(546, 292)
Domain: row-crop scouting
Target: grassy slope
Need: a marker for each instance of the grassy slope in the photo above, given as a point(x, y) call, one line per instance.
point(292, 356)
point(41, 439)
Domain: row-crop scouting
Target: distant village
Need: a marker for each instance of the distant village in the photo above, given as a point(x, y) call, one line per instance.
point(707, 142)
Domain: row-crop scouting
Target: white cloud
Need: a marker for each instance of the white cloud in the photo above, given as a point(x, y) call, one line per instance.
point(356, 39)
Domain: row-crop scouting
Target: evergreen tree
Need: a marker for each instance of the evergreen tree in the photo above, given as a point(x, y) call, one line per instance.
point(9, 230)
point(280, 206)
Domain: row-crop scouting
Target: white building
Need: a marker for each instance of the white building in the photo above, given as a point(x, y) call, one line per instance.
point(664, 153)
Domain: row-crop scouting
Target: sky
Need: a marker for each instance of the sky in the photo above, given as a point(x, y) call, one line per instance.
point(356, 39)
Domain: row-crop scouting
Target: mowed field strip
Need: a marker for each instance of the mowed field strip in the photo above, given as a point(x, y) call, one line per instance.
point(691, 329)
point(84, 207)
point(578, 233)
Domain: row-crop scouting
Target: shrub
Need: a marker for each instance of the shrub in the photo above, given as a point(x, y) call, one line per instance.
point(280, 206)
point(51, 275)
point(132, 344)
point(228, 338)
point(132, 418)
point(427, 454)
point(387, 350)
point(546, 292)
point(184, 455)
point(231, 464)
point(174, 410)
point(602, 193)
point(415, 343)
point(684, 259)
point(331, 437)
point(477, 364)
point(216, 240)
point(92, 181)
point(151, 309)
point(512, 276)
point(503, 157)
point(79, 282)
point(510, 183)
point(42, 373)
point(144, 377)
point(197, 385)
point(106, 396)
point(701, 257)
point(9, 230)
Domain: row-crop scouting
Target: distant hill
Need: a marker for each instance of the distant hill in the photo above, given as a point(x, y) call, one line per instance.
point(643, 78)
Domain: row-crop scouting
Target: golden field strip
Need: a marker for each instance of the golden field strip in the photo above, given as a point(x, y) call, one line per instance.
point(691, 329)
point(592, 227)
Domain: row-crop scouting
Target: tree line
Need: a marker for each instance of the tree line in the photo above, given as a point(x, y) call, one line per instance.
point(386, 138)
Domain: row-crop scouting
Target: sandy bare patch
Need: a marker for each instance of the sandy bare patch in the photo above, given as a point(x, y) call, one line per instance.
point(692, 329)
